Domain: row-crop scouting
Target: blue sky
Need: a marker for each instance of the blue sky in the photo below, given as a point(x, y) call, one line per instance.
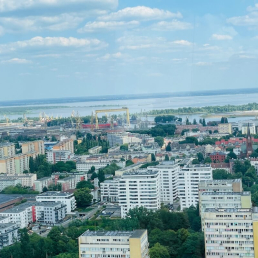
point(63, 48)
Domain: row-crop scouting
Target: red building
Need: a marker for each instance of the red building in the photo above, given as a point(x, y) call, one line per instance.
point(218, 157)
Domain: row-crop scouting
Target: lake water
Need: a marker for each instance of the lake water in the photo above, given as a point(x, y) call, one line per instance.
point(138, 105)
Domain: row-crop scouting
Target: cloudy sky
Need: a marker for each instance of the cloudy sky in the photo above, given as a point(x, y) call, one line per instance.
point(62, 48)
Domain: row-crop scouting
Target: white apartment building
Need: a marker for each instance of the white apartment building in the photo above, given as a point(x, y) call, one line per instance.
point(130, 168)
point(139, 189)
point(188, 183)
point(168, 181)
point(39, 184)
point(66, 198)
point(50, 212)
point(5, 182)
point(95, 150)
point(127, 244)
point(109, 190)
point(53, 156)
point(7, 150)
point(26, 179)
point(21, 215)
point(115, 139)
point(8, 234)
point(231, 232)
point(86, 166)
point(33, 146)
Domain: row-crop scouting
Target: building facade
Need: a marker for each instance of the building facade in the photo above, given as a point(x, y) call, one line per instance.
point(33, 146)
point(7, 150)
point(139, 189)
point(127, 244)
point(66, 144)
point(53, 156)
point(109, 190)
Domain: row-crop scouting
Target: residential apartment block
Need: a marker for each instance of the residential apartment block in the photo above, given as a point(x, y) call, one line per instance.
point(33, 146)
point(127, 244)
point(8, 234)
point(5, 182)
point(7, 150)
point(231, 232)
point(25, 179)
point(53, 156)
point(225, 128)
point(66, 144)
point(139, 189)
point(39, 184)
point(86, 166)
point(15, 164)
point(188, 183)
point(95, 150)
point(169, 172)
point(65, 198)
point(109, 190)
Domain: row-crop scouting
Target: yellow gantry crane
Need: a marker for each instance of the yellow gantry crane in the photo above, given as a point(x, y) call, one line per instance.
point(112, 110)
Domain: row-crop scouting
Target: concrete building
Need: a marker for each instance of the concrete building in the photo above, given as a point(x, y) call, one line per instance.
point(66, 198)
point(39, 184)
point(86, 166)
point(130, 168)
point(218, 157)
point(225, 200)
point(16, 164)
point(5, 182)
point(53, 156)
point(8, 234)
point(114, 149)
point(68, 183)
point(252, 127)
point(230, 232)
point(127, 244)
point(139, 189)
point(26, 179)
point(95, 150)
point(109, 190)
point(50, 212)
point(66, 144)
point(188, 183)
point(225, 128)
point(7, 150)
point(33, 146)
point(168, 181)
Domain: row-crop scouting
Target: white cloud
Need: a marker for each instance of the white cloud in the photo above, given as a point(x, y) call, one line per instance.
point(246, 57)
point(53, 42)
point(182, 42)
point(17, 61)
point(221, 37)
point(109, 56)
point(141, 12)
point(13, 5)
point(171, 25)
point(108, 25)
point(203, 64)
point(251, 19)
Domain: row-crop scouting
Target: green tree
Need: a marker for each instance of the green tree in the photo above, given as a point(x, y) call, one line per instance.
point(220, 174)
point(159, 140)
point(166, 157)
point(159, 251)
point(232, 155)
point(168, 147)
point(124, 147)
point(101, 175)
point(207, 160)
point(200, 156)
point(153, 158)
point(84, 184)
point(128, 163)
point(45, 189)
point(94, 175)
point(83, 197)
point(195, 161)
point(194, 122)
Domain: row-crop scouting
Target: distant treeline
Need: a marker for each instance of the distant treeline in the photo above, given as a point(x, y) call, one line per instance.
point(208, 109)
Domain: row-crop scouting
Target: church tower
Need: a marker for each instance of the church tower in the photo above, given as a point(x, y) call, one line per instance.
point(249, 144)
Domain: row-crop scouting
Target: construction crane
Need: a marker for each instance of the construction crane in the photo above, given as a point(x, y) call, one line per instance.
point(112, 110)
point(7, 120)
point(92, 122)
point(78, 122)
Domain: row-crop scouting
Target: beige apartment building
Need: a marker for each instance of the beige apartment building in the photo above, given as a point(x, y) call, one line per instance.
point(34, 146)
point(231, 232)
point(127, 244)
point(225, 128)
point(7, 150)
point(16, 164)
point(66, 144)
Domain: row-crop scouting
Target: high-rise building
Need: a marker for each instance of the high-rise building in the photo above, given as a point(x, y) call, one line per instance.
point(168, 181)
point(127, 244)
point(33, 146)
point(109, 190)
point(188, 183)
point(66, 144)
point(7, 150)
point(231, 232)
point(139, 189)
